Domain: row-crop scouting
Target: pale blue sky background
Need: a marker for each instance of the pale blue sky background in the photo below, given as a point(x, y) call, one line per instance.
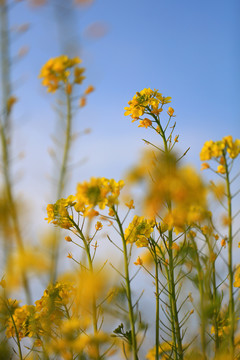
point(187, 49)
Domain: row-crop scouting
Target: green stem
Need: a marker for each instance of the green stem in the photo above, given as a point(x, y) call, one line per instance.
point(217, 342)
point(157, 303)
point(16, 331)
point(172, 294)
point(174, 300)
point(5, 136)
point(230, 262)
point(61, 184)
point(128, 288)
point(201, 294)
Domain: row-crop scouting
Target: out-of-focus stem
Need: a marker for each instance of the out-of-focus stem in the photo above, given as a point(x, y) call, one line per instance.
point(61, 183)
point(201, 294)
point(16, 331)
point(5, 63)
point(94, 304)
point(230, 263)
point(5, 136)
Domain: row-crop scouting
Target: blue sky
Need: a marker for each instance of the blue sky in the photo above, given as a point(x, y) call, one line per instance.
point(189, 50)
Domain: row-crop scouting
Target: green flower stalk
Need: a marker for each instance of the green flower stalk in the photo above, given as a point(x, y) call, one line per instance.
point(63, 73)
point(5, 133)
point(128, 287)
point(224, 152)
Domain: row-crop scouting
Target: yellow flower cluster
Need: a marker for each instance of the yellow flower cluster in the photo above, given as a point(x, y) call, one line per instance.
point(56, 71)
point(25, 322)
point(99, 192)
point(37, 320)
point(58, 214)
point(139, 230)
point(146, 101)
point(215, 149)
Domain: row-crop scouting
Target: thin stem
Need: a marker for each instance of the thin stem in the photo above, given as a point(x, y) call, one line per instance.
point(157, 304)
point(16, 331)
point(5, 134)
point(128, 288)
point(61, 184)
point(201, 294)
point(230, 262)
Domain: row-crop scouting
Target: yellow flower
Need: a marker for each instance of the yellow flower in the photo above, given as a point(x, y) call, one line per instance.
point(170, 111)
point(130, 205)
point(139, 230)
point(205, 166)
point(56, 72)
point(145, 100)
point(138, 261)
point(10, 102)
point(237, 277)
point(223, 243)
point(221, 169)
point(145, 123)
point(82, 101)
point(78, 75)
point(89, 89)
point(67, 238)
point(99, 192)
point(98, 226)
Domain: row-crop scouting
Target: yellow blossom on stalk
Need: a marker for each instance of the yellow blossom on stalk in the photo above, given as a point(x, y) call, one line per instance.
point(78, 75)
point(223, 243)
point(67, 238)
point(170, 111)
point(237, 277)
point(10, 103)
point(221, 169)
point(215, 149)
point(138, 261)
point(58, 213)
point(98, 226)
point(89, 89)
point(24, 322)
point(146, 100)
point(145, 123)
point(139, 230)
point(130, 205)
point(205, 166)
point(82, 101)
point(99, 192)
point(56, 71)
point(233, 147)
